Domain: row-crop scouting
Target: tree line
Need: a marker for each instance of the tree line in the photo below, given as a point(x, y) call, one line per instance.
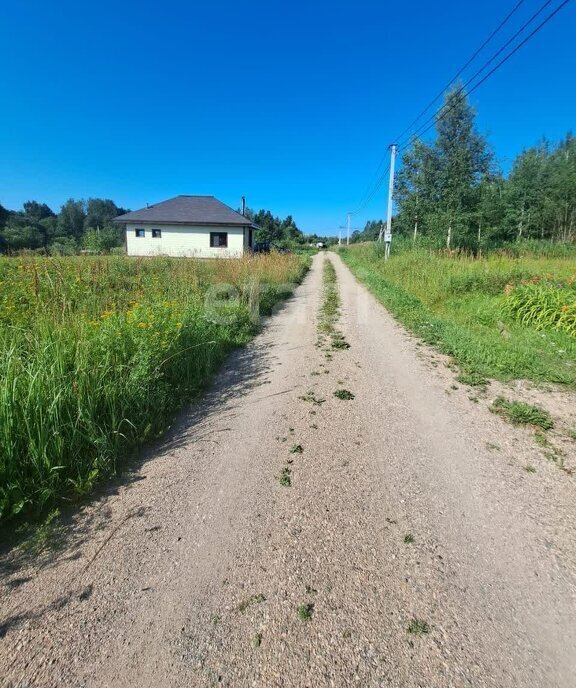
point(453, 191)
point(80, 224)
point(283, 232)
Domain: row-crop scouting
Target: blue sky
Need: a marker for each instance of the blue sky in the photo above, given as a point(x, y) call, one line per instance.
point(291, 104)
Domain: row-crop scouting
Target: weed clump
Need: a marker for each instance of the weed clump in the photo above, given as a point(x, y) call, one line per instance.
point(305, 611)
point(285, 477)
point(519, 413)
point(472, 379)
point(418, 627)
point(344, 394)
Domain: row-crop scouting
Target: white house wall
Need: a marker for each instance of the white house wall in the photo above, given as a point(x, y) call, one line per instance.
point(183, 241)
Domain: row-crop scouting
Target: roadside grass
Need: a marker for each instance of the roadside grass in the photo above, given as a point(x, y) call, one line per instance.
point(472, 379)
point(98, 353)
point(519, 413)
point(475, 310)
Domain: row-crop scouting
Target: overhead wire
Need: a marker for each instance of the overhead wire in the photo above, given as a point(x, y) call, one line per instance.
point(462, 88)
point(369, 192)
point(449, 106)
point(463, 68)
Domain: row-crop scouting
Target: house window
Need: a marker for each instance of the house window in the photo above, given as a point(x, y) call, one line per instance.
point(218, 239)
point(156, 233)
point(140, 233)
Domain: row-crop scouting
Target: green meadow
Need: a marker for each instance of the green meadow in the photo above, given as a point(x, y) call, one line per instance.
point(509, 315)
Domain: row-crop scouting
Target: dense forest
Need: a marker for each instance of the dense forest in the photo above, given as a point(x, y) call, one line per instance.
point(86, 225)
point(453, 191)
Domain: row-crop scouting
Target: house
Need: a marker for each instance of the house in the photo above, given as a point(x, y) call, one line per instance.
point(193, 226)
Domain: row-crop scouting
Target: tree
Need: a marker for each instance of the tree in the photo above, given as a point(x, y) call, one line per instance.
point(463, 160)
point(100, 212)
point(438, 184)
point(101, 240)
point(71, 219)
point(290, 231)
point(369, 233)
point(4, 215)
point(30, 228)
point(35, 212)
point(417, 189)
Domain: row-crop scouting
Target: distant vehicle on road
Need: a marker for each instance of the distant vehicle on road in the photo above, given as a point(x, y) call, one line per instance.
point(320, 244)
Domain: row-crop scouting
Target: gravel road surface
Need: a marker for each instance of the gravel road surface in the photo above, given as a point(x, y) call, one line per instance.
point(411, 547)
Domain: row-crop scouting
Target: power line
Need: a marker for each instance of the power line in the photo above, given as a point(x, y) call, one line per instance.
point(361, 203)
point(461, 70)
point(442, 111)
point(450, 106)
point(373, 186)
point(378, 183)
point(489, 62)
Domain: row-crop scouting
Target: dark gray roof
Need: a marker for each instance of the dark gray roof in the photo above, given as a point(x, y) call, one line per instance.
point(187, 210)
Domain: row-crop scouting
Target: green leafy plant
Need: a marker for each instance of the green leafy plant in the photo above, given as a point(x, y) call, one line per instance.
point(285, 477)
point(545, 304)
point(343, 394)
point(472, 379)
point(418, 627)
point(473, 326)
point(519, 413)
point(305, 611)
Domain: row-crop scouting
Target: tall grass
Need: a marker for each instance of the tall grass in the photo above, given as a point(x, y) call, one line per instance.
point(96, 354)
point(459, 304)
point(544, 305)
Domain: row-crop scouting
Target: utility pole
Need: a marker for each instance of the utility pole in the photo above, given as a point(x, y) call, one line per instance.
point(388, 232)
point(339, 237)
point(348, 229)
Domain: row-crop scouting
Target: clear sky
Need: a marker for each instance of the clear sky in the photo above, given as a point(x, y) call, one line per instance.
point(291, 104)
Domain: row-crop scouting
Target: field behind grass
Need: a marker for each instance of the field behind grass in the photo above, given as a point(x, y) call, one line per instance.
point(96, 355)
point(499, 317)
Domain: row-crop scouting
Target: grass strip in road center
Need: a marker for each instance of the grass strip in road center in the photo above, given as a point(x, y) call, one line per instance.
point(330, 312)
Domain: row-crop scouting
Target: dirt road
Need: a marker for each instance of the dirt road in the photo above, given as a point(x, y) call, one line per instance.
point(412, 548)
